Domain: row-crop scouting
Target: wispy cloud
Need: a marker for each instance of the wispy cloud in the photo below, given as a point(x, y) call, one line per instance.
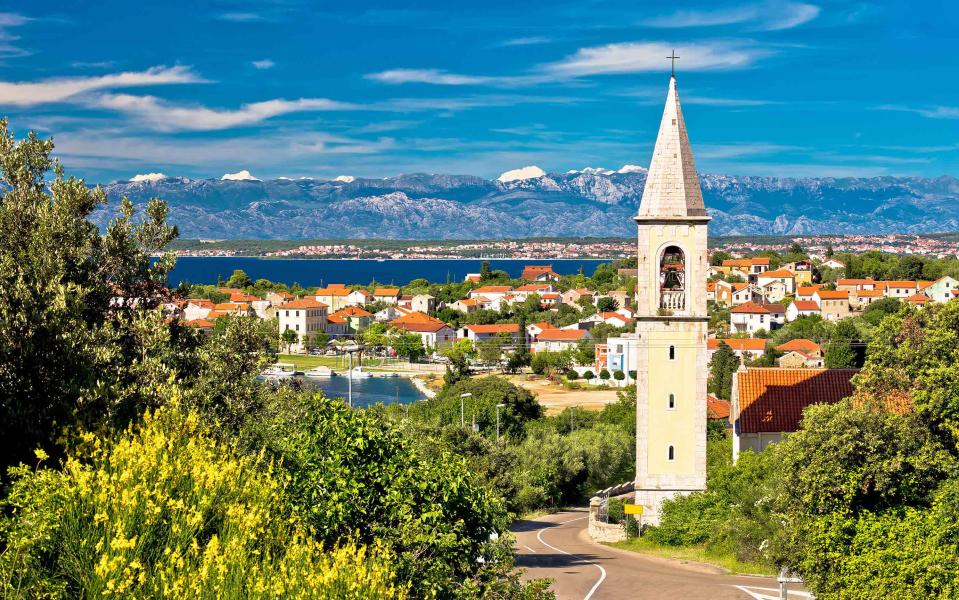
point(432, 76)
point(637, 57)
point(930, 112)
point(94, 64)
point(8, 46)
point(61, 89)
point(768, 16)
point(241, 17)
point(718, 151)
point(161, 115)
point(526, 41)
point(266, 63)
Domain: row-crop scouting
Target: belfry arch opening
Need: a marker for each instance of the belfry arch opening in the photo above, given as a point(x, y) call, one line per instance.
point(672, 279)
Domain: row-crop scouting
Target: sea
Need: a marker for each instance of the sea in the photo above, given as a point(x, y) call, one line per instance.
point(320, 272)
point(368, 391)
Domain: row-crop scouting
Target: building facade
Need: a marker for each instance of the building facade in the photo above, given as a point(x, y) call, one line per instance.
point(671, 321)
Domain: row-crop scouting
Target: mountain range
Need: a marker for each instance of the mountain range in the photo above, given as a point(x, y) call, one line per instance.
point(528, 202)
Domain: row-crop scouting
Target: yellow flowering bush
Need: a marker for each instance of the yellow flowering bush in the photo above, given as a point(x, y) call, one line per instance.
point(168, 511)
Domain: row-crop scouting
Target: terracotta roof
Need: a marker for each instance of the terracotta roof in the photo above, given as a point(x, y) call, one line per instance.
point(335, 319)
point(415, 317)
point(801, 345)
point(199, 323)
point(741, 344)
point(493, 289)
point(201, 302)
point(332, 291)
point(337, 286)
point(386, 292)
point(924, 284)
point(856, 282)
point(778, 273)
point(307, 302)
point(495, 328)
point(563, 335)
point(739, 286)
point(869, 293)
point(805, 305)
point(710, 286)
point(716, 408)
point(808, 290)
point(352, 311)
point(533, 271)
point(241, 297)
point(534, 287)
point(772, 399)
point(419, 326)
point(900, 283)
point(917, 298)
point(758, 309)
point(833, 294)
point(745, 262)
point(544, 325)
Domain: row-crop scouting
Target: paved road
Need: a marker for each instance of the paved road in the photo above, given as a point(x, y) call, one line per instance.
point(557, 547)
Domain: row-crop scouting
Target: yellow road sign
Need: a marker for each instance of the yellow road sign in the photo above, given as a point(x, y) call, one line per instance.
point(633, 509)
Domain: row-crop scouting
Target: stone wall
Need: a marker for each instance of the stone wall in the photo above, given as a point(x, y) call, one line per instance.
point(600, 531)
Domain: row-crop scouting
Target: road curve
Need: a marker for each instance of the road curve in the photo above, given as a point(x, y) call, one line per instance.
point(557, 547)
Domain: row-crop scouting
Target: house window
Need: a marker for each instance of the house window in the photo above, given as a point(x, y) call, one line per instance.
point(672, 402)
point(297, 313)
point(672, 353)
point(297, 326)
point(670, 454)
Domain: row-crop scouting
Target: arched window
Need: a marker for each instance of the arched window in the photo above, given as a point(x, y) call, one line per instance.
point(672, 401)
point(672, 353)
point(670, 454)
point(672, 279)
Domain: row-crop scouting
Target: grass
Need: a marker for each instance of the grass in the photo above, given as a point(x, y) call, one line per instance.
point(696, 554)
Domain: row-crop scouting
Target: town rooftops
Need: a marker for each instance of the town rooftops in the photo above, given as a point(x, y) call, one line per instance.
point(745, 262)
point(869, 293)
point(716, 408)
point(333, 289)
point(418, 322)
point(307, 302)
point(899, 283)
point(917, 298)
point(800, 345)
point(535, 287)
point(201, 302)
point(758, 309)
point(537, 271)
point(772, 400)
point(493, 289)
point(808, 290)
point(806, 305)
point(740, 344)
point(856, 282)
point(352, 311)
point(199, 323)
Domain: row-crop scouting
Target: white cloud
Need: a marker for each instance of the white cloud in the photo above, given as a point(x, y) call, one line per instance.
point(530, 172)
point(345, 178)
point(266, 63)
point(767, 16)
point(65, 88)
point(243, 175)
point(148, 177)
point(526, 41)
point(165, 116)
point(636, 57)
point(8, 48)
point(241, 17)
point(631, 169)
point(433, 76)
point(930, 112)
point(719, 151)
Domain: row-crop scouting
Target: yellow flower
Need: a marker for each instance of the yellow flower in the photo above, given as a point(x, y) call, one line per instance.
point(41, 455)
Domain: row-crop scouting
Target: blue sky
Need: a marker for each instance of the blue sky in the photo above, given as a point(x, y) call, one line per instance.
point(289, 88)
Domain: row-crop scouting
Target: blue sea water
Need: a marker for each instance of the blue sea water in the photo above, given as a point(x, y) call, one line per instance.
point(318, 272)
point(369, 391)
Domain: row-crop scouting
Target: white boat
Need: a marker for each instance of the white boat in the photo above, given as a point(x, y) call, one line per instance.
point(320, 372)
point(276, 372)
point(359, 373)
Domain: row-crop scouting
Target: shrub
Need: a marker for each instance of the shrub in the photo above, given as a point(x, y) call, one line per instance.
point(619, 375)
point(604, 374)
point(167, 511)
point(572, 375)
point(588, 375)
point(632, 375)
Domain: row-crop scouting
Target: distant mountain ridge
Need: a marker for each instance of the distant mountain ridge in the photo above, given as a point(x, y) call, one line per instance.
point(592, 202)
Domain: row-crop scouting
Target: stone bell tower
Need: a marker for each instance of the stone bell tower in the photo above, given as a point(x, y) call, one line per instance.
point(671, 363)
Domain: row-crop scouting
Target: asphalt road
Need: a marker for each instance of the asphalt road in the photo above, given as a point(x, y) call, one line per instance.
point(558, 547)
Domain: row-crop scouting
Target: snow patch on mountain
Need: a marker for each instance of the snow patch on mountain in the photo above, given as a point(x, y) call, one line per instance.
point(631, 169)
point(147, 177)
point(345, 178)
point(243, 175)
point(530, 172)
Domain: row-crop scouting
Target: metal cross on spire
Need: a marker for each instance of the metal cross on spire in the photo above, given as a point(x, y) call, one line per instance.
point(673, 58)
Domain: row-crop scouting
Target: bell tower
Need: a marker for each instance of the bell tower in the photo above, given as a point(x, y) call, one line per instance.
point(671, 358)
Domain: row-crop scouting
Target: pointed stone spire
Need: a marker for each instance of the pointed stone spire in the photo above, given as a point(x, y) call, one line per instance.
point(672, 187)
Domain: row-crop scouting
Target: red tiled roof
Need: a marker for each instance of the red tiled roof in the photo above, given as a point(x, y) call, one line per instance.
point(716, 408)
point(869, 293)
point(419, 326)
point(493, 289)
point(855, 282)
point(534, 287)
point(562, 335)
point(534, 271)
point(800, 345)
point(352, 311)
point(495, 328)
point(741, 344)
point(808, 290)
point(917, 298)
point(900, 283)
point(386, 292)
point(201, 302)
point(758, 309)
point(778, 273)
point(307, 302)
point(833, 294)
point(332, 290)
point(199, 323)
point(806, 305)
point(772, 400)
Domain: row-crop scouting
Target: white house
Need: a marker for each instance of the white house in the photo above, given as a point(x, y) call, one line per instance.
point(492, 293)
point(197, 308)
point(557, 340)
point(786, 277)
point(434, 333)
point(751, 317)
point(477, 333)
point(423, 303)
point(305, 316)
point(799, 308)
point(942, 289)
point(359, 298)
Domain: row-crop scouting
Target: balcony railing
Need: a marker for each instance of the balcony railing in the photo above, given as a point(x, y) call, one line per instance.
point(672, 300)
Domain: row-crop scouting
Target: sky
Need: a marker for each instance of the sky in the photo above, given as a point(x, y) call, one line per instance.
point(374, 89)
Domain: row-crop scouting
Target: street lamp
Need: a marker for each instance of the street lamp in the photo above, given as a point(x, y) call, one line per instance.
point(498, 406)
point(462, 408)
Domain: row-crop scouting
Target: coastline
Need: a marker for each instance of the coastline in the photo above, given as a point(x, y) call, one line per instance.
point(423, 388)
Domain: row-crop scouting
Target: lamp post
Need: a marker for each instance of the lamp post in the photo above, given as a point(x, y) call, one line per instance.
point(498, 406)
point(462, 408)
point(350, 350)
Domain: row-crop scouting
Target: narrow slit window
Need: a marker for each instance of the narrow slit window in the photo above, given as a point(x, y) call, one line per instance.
point(672, 353)
point(671, 453)
point(672, 401)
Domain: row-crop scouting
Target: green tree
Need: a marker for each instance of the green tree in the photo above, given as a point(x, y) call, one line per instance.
point(844, 350)
point(722, 369)
point(409, 346)
point(585, 352)
point(716, 258)
point(910, 267)
point(485, 273)
point(239, 279)
point(606, 304)
point(289, 337)
point(521, 406)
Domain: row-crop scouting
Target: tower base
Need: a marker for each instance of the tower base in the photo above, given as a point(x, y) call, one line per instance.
point(652, 502)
